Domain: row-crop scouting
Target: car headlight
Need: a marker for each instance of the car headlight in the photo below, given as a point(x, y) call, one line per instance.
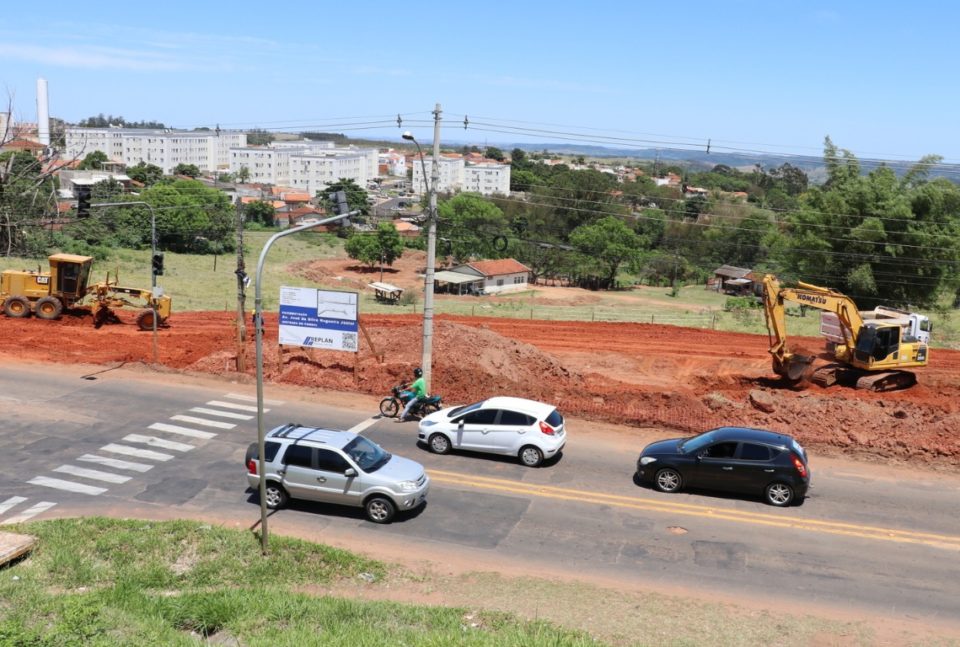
point(427, 423)
point(407, 486)
point(646, 460)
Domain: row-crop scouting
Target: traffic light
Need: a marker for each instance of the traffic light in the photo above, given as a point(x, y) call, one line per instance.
point(158, 263)
point(83, 201)
point(339, 200)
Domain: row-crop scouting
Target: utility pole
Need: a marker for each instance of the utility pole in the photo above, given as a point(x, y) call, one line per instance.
point(241, 293)
point(427, 361)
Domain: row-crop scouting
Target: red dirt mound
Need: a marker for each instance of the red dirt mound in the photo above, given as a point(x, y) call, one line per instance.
point(642, 374)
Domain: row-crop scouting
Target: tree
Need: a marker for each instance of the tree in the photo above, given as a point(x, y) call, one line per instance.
point(521, 180)
point(93, 161)
point(191, 218)
point(260, 212)
point(363, 247)
point(257, 137)
point(146, 174)
point(28, 197)
point(371, 249)
point(243, 175)
point(494, 153)
point(471, 223)
point(608, 243)
point(190, 170)
point(518, 157)
point(356, 196)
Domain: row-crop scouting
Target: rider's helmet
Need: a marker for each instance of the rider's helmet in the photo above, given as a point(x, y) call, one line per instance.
point(418, 372)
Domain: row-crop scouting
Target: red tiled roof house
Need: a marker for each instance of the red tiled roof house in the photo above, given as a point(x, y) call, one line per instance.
point(498, 276)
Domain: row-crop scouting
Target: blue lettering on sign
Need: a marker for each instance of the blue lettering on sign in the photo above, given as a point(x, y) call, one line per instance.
point(317, 341)
point(307, 318)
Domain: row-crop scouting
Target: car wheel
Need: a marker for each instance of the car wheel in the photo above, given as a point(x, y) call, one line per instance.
point(145, 320)
point(380, 509)
point(389, 407)
point(779, 494)
point(276, 495)
point(668, 480)
point(531, 456)
point(439, 444)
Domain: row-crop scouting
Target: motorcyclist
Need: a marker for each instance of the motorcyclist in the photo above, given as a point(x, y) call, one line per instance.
point(419, 390)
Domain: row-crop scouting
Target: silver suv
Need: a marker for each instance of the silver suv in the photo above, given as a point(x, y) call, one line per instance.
point(336, 467)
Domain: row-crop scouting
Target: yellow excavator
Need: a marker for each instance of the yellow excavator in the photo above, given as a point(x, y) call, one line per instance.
point(870, 349)
point(65, 286)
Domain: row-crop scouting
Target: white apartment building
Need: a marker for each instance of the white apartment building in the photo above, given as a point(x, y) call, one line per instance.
point(308, 166)
point(166, 148)
point(450, 170)
point(485, 178)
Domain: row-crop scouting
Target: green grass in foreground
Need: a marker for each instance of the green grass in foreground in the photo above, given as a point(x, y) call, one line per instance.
point(126, 582)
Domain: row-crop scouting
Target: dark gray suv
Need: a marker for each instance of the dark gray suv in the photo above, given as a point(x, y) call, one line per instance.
point(339, 467)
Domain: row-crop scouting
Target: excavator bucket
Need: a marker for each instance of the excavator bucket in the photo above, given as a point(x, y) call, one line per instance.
point(796, 368)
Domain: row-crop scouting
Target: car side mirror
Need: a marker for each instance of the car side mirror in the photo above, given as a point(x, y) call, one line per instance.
point(350, 472)
point(460, 424)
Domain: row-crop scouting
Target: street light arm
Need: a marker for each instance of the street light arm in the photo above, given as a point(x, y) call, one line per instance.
point(258, 333)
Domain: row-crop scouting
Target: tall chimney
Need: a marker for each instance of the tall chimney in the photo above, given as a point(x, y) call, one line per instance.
point(43, 113)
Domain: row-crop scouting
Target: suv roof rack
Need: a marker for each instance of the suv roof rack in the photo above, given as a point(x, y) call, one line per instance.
point(285, 430)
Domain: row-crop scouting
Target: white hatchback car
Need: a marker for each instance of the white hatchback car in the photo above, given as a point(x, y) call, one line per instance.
point(531, 430)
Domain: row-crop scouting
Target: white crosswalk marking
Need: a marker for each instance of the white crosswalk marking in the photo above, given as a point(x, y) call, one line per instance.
point(153, 441)
point(69, 486)
point(11, 502)
point(30, 512)
point(96, 475)
point(134, 451)
point(222, 414)
point(252, 398)
point(183, 431)
point(204, 422)
point(360, 427)
point(231, 405)
point(115, 462)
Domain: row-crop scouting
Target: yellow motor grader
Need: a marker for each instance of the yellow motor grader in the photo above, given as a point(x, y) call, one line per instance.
point(65, 286)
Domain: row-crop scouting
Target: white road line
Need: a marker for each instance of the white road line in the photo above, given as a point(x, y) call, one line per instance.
point(216, 424)
point(12, 501)
point(252, 398)
point(134, 451)
point(360, 427)
point(153, 441)
point(183, 431)
point(30, 512)
point(96, 475)
point(115, 462)
point(231, 405)
point(69, 486)
point(222, 414)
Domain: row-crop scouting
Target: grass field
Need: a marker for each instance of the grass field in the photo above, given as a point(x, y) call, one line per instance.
point(209, 283)
point(99, 581)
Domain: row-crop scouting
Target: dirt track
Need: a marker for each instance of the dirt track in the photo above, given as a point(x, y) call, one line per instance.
point(640, 374)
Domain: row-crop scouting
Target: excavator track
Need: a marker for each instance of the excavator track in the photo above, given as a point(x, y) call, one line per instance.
point(887, 381)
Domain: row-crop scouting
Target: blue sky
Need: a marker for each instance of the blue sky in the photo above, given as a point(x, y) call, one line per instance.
point(878, 77)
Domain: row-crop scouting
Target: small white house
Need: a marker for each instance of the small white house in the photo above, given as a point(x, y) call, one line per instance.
point(497, 277)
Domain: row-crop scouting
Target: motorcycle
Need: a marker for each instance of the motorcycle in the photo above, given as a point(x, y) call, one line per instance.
point(393, 405)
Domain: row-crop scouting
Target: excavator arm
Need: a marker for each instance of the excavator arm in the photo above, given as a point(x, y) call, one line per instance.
point(794, 366)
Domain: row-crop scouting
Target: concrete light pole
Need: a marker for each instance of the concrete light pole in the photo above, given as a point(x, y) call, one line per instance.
point(258, 325)
point(427, 359)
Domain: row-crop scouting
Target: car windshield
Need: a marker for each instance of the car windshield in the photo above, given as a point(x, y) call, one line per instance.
point(467, 408)
point(367, 454)
point(697, 443)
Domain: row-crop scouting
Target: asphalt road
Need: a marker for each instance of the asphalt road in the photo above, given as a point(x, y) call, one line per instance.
point(880, 538)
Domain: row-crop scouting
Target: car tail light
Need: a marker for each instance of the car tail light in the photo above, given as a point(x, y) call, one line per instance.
point(801, 468)
point(252, 466)
point(545, 428)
